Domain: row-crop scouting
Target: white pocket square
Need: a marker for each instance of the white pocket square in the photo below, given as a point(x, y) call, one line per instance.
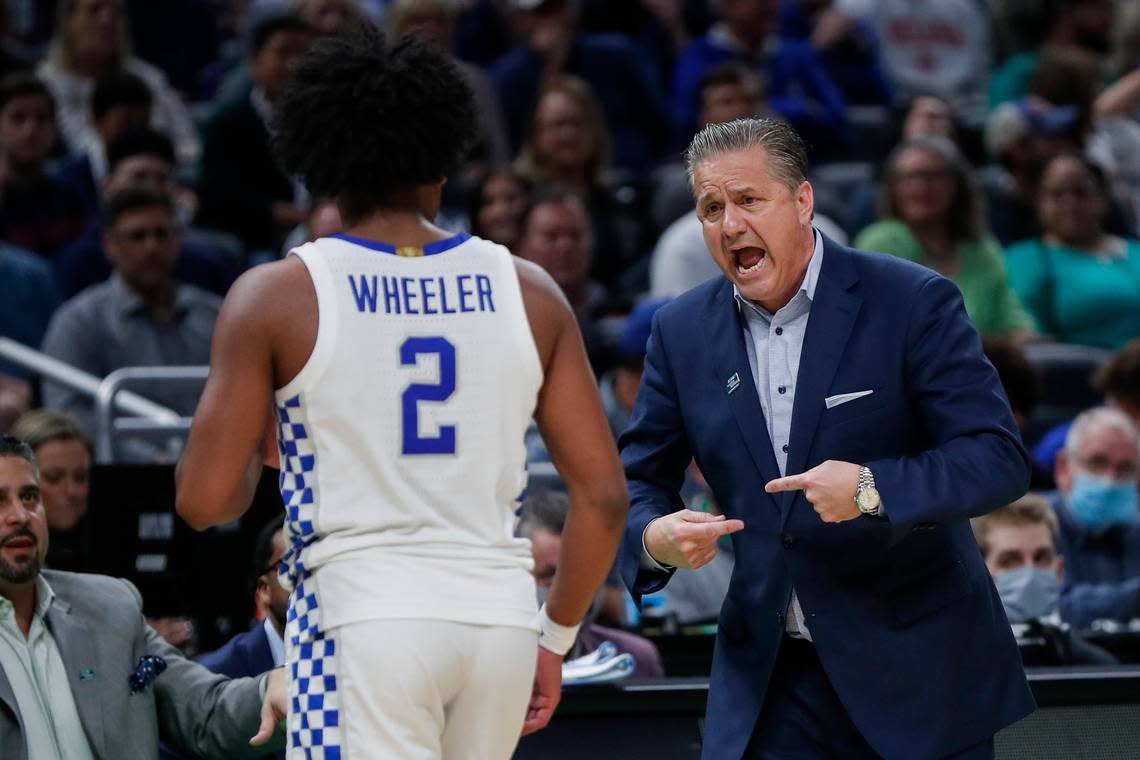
point(833, 401)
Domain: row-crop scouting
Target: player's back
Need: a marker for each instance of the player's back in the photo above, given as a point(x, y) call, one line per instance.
point(402, 437)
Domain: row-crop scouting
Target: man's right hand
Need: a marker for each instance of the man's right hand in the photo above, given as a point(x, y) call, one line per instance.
point(687, 538)
point(547, 692)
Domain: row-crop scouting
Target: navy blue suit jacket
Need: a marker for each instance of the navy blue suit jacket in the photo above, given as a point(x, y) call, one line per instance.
point(904, 615)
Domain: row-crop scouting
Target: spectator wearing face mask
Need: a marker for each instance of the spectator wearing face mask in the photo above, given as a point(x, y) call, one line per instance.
point(1096, 506)
point(1019, 545)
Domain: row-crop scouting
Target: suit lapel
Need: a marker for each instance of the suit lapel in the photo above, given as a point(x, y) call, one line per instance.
point(74, 638)
point(833, 313)
point(726, 335)
point(7, 696)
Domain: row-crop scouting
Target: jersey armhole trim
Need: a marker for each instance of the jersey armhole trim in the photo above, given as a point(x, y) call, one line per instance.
point(323, 347)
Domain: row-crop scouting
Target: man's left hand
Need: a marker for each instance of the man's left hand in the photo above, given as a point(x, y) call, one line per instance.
point(274, 707)
point(828, 487)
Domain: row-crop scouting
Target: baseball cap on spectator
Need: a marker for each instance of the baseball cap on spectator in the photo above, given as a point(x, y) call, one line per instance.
point(635, 332)
point(1031, 115)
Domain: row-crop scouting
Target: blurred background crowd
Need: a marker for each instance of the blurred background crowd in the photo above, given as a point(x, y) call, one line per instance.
point(995, 141)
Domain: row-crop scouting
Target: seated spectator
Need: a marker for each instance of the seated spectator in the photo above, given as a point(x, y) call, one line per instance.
point(91, 40)
point(799, 88)
point(567, 146)
point(142, 316)
point(1098, 474)
point(1023, 135)
point(941, 48)
point(931, 214)
point(729, 91)
point(64, 454)
point(543, 519)
point(1080, 24)
point(434, 22)
point(1118, 381)
point(262, 647)
point(243, 190)
point(631, 96)
point(121, 103)
point(38, 213)
point(328, 17)
point(1023, 386)
point(82, 670)
point(847, 47)
point(142, 158)
point(618, 387)
point(1019, 545)
point(1081, 284)
point(556, 235)
point(28, 298)
point(324, 220)
point(496, 207)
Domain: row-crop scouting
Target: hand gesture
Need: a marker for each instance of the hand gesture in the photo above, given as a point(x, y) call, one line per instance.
point(687, 538)
point(547, 691)
point(274, 707)
point(829, 487)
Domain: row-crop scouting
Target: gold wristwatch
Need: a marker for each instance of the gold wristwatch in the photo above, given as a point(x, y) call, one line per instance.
point(866, 495)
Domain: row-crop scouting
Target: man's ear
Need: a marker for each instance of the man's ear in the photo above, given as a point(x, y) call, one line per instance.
point(805, 201)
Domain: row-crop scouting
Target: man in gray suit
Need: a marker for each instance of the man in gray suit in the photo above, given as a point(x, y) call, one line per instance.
point(83, 677)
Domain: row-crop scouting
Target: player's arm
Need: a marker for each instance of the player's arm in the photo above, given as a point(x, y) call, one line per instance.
point(573, 426)
point(221, 465)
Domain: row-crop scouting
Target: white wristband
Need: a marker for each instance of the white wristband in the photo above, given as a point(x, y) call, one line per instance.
point(555, 637)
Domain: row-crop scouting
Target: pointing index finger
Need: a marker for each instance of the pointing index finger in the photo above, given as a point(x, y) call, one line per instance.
point(789, 483)
point(724, 527)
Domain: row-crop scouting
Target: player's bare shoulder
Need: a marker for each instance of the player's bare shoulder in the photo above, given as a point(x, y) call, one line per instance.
point(547, 309)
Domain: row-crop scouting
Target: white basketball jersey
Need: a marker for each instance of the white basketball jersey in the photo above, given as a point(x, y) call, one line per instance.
point(401, 439)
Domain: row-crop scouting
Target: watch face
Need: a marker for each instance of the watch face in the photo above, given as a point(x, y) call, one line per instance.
point(868, 499)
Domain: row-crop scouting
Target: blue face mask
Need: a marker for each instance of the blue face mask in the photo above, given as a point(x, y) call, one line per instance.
point(1100, 503)
point(1028, 593)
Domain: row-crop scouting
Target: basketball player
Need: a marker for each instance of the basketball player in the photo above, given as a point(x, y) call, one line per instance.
point(403, 364)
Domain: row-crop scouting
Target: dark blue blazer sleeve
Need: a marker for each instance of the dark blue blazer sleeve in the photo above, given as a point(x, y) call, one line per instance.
point(655, 454)
point(972, 461)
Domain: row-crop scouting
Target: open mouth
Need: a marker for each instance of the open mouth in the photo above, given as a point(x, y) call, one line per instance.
point(749, 259)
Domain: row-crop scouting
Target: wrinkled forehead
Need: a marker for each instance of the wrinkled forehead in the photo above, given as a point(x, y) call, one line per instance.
point(734, 171)
point(17, 472)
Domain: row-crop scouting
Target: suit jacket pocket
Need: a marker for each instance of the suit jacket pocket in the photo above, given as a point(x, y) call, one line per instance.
point(912, 600)
point(854, 409)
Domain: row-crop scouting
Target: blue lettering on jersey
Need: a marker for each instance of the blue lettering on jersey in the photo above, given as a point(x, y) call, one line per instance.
point(365, 296)
point(483, 285)
point(461, 294)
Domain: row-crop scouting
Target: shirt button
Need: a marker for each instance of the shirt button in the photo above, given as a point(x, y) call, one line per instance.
point(779, 617)
point(779, 331)
point(785, 448)
point(782, 389)
point(789, 541)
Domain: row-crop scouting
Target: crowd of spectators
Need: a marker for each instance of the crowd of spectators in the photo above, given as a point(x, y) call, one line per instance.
point(994, 141)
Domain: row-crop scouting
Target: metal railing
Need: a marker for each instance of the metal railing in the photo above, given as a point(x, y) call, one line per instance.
point(112, 387)
point(109, 394)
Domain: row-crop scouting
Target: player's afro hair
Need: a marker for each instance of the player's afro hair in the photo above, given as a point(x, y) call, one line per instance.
point(366, 119)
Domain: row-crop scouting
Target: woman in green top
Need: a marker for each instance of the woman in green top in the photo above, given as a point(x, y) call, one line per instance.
point(931, 213)
point(1081, 284)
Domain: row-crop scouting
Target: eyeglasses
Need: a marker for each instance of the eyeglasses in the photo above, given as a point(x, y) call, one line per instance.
point(1079, 193)
point(1103, 467)
point(138, 235)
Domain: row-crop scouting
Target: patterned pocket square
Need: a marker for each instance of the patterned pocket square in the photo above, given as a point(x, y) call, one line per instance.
point(149, 668)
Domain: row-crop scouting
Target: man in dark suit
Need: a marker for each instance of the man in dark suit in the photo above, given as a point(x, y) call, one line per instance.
point(262, 647)
point(243, 189)
point(860, 620)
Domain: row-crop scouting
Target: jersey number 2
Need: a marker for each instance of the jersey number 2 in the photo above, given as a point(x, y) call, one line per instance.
point(410, 350)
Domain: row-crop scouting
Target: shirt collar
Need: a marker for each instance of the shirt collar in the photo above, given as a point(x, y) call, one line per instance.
point(44, 598)
point(129, 303)
point(276, 643)
point(807, 287)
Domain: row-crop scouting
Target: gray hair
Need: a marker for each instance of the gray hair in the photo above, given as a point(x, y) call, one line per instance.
point(543, 509)
point(1100, 417)
point(787, 156)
